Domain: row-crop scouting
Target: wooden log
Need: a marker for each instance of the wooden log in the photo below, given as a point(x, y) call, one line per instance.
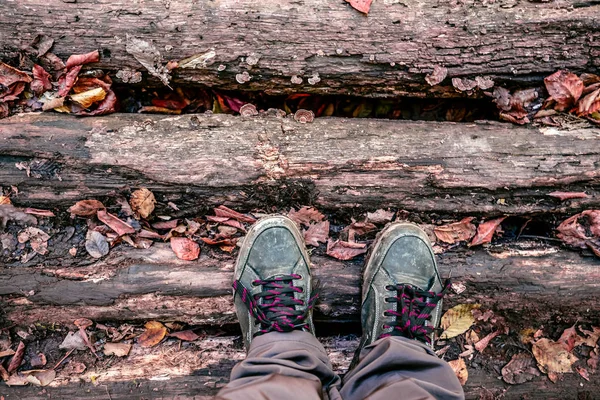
point(387, 53)
point(137, 285)
point(207, 160)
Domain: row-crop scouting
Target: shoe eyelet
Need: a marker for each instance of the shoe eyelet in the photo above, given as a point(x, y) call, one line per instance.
point(254, 283)
point(300, 277)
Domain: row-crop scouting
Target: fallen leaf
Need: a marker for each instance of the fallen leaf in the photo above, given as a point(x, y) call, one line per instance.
point(553, 357)
point(220, 242)
point(80, 59)
point(380, 216)
point(305, 216)
point(345, 250)
point(223, 211)
point(73, 341)
point(86, 208)
point(483, 343)
point(87, 98)
point(591, 337)
point(361, 228)
point(594, 359)
point(74, 368)
point(115, 223)
point(575, 234)
point(485, 231)
point(117, 349)
point(4, 200)
point(96, 244)
point(226, 232)
point(460, 369)
point(6, 353)
point(16, 380)
point(589, 104)
point(43, 44)
point(318, 232)
point(154, 333)
point(38, 212)
point(17, 358)
point(185, 249)
point(67, 81)
point(137, 242)
point(565, 89)
point(457, 320)
point(583, 373)
point(455, 232)
point(147, 55)
point(106, 106)
point(568, 338)
point(38, 360)
point(436, 77)
point(40, 377)
point(166, 224)
point(361, 5)
point(41, 80)
point(520, 369)
point(10, 76)
point(187, 335)
point(4, 375)
point(568, 195)
point(142, 202)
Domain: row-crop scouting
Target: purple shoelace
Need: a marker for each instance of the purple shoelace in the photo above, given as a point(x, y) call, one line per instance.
point(279, 310)
point(413, 311)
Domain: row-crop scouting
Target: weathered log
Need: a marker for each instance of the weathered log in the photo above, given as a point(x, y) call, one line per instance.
point(259, 162)
point(387, 53)
point(136, 284)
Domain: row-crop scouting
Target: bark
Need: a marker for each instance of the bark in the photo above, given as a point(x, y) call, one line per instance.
point(387, 53)
point(138, 285)
point(206, 160)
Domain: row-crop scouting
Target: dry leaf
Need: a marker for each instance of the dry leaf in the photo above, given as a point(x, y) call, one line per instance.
point(10, 75)
point(38, 212)
point(149, 57)
point(74, 368)
point(437, 76)
point(483, 343)
point(380, 216)
point(589, 104)
point(460, 369)
point(583, 373)
point(188, 335)
point(318, 232)
point(73, 340)
point(568, 338)
point(345, 250)
point(96, 244)
point(4, 200)
point(38, 360)
point(361, 5)
point(457, 320)
point(185, 249)
point(305, 216)
point(360, 228)
point(41, 80)
point(455, 232)
point(67, 81)
point(6, 353)
point(568, 195)
point(40, 377)
point(88, 98)
point(142, 202)
point(4, 375)
point(565, 89)
point(86, 208)
point(38, 239)
point(594, 359)
point(576, 234)
point(115, 223)
point(17, 358)
point(154, 333)
point(553, 357)
point(117, 349)
point(223, 211)
point(591, 339)
point(520, 369)
point(485, 231)
point(16, 380)
point(80, 59)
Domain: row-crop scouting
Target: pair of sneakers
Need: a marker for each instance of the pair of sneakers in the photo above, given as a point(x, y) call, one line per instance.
point(274, 290)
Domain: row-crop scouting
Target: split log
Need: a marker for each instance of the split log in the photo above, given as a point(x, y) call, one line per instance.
point(137, 285)
point(387, 53)
point(332, 163)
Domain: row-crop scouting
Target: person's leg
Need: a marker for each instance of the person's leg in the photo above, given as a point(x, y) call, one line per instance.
point(274, 295)
point(401, 307)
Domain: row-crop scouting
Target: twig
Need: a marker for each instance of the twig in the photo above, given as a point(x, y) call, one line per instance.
point(63, 359)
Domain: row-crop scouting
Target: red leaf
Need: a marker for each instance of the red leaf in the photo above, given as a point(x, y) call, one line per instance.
point(38, 212)
point(223, 211)
point(589, 104)
point(66, 82)
point(185, 249)
point(316, 233)
point(305, 216)
point(86, 208)
point(361, 5)
point(188, 335)
point(565, 88)
point(80, 59)
point(235, 224)
point(455, 232)
point(166, 224)
point(568, 338)
point(10, 75)
point(169, 103)
point(114, 223)
point(220, 242)
point(345, 250)
point(17, 358)
point(41, 80)
point(106, 106)
point(485, 231)
point(568, 195)
point(571, 232)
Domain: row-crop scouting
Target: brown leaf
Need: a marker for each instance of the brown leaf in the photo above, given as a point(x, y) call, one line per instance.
point(565, 88)
point(226, 232)
point(589, 104)
point(568, 338)
point(10, 76)
point(96, 244)
point(38, 360)
point(114, 223)
point(235, 224)
point(575, 234)
point(187, 335)
point(483, 343)
point(171, 224)
point(568, 195)
point(455, 232)
point(594, 359)
point(223, 211)
point(117, 349)
point(380, 216)
point(591, 337)
point(142, 202)
point(86, 208)
point(305, 216)
point(460, 369)
point(485, 231)
point(154, 333)
point(38, 239)
point(40, 377)
point(66, 82)
point(38, 212)
point(17, 358)
point(88, 98)
point(74, 368)
point(41, 80)
point(6, 353)
point(318, 232)
point(362, 228)
point(583, 373)
point(80, 59)
point(4, 374)
point(520, 369)
point(83, 323)
point(437, 76)
point(185, 249)
point(361, 5)
point(213, 218)
point(345, 250)
point(553, 357)
point(220, 242)
point(137, 242)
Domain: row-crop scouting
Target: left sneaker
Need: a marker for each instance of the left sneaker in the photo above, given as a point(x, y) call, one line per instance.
point(273, 287)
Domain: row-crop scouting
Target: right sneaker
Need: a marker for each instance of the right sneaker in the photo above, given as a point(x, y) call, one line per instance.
point(402, 289)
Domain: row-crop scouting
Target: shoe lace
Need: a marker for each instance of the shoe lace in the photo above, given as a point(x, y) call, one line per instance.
point(413, 311)
point(279, 310)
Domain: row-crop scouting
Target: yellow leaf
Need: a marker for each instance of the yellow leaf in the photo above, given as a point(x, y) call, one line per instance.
point(4, 200)
point(142, 202)
point(553, 357)
point(460, 369)
point(458, 320)
point(63, 109)
point(154, 333)
point(89, 97)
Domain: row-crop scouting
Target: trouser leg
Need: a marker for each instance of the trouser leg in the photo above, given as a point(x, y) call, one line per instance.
point(292, 365)
point(396, 367)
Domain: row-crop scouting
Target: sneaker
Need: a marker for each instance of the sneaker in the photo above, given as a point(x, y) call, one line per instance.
point(273, 288)
point(402, 290)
